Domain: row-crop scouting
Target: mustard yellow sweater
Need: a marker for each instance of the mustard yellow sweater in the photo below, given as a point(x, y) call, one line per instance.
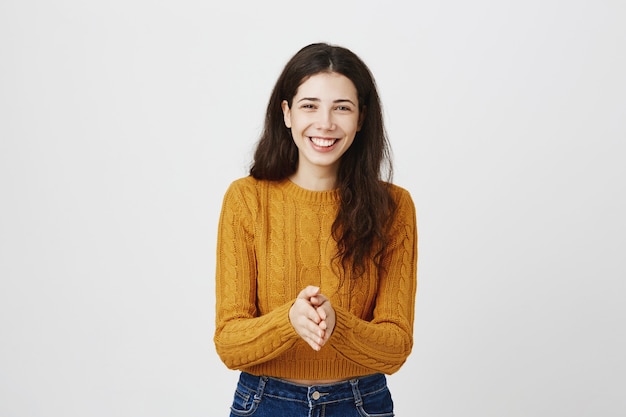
point(274, 239)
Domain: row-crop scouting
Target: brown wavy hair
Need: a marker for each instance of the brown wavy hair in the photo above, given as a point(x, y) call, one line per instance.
point(366, 208)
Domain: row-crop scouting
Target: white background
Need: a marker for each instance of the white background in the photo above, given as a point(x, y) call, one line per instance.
point(123, 122)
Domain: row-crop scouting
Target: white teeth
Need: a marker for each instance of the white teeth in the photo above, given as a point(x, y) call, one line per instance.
point(323, 142)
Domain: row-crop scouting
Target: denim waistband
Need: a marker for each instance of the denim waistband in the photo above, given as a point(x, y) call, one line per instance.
point(353, 389)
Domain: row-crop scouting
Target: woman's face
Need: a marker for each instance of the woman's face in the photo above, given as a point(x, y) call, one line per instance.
point(324, 118)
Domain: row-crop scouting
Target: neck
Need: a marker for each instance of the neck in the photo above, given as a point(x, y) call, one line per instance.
point(318, 182)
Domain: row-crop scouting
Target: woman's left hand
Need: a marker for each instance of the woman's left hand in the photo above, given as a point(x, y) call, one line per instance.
point(326, 313)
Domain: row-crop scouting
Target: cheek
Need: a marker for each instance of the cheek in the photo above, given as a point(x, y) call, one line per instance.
point(297, 135)
point(353, 129)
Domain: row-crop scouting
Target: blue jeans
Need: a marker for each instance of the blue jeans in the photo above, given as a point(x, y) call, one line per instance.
point(262, 396)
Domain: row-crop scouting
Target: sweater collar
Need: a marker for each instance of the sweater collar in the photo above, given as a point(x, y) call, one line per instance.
point(299, 193)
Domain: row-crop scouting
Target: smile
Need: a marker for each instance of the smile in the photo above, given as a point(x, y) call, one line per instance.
point(323, 142)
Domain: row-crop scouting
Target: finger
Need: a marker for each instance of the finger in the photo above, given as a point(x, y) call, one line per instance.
point(302, 308)
point(319, 300)
point(313, 315)
point(309, 292)
point(314, 341)
point(315, 346)
point(309, 327)
point(312, 336)
point(321, 313)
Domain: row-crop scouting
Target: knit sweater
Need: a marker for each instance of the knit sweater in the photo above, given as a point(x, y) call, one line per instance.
point(274, 239)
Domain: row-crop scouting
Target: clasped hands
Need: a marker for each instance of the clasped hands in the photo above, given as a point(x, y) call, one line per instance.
point(313, 317)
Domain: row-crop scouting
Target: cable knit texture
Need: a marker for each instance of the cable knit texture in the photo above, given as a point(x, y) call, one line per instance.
point(274, 239)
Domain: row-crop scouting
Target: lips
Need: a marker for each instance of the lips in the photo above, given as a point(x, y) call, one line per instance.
point(323, 142)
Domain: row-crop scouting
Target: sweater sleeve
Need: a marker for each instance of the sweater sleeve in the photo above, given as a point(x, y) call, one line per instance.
point(242, 337)
point(384, 342)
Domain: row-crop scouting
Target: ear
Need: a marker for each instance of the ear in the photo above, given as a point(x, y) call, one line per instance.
point(361, 119)
point(286, 113)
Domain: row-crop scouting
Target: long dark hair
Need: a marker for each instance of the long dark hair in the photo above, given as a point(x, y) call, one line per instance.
point(366, 207)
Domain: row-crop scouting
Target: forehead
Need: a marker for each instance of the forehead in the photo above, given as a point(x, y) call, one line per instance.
point(327, 85)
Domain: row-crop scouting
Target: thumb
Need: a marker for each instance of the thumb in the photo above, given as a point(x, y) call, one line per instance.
point(308, 292)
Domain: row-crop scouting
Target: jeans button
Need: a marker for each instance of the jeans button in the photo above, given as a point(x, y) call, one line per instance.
point(315, 395)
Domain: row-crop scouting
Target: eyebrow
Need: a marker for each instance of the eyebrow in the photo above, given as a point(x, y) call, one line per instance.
point(340, 100)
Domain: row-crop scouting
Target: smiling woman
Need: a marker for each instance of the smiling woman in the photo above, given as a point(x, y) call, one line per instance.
point(324, 121)
point(317, 253)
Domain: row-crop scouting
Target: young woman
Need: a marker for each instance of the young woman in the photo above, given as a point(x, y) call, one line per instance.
point(317, 254)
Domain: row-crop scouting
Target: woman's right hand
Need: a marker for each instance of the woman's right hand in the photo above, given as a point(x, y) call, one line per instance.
point(306, 319)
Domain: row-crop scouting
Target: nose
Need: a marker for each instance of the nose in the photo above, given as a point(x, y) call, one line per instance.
point(325, 120)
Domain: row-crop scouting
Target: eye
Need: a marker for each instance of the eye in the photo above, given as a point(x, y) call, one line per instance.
point(307, 106)
point(343, 108)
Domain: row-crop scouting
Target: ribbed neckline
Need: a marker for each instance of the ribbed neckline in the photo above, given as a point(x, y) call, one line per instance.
point(297, 192)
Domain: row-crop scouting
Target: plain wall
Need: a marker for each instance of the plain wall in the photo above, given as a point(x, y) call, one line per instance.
point(123, 122)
